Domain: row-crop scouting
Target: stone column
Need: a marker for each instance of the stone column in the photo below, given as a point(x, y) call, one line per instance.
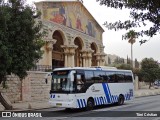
point(87, 57)
point(69, 51)
point(66, 51)
point(98, 59)
point(103, 59)
point(84, 62)
point(90, 59)
point(49, 48)
point(72, 60)
point(84, 58)
point(66, 60)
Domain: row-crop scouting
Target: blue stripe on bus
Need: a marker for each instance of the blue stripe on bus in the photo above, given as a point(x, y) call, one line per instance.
point(52, 96)
point(102, 100)
point(112, 98)
point(116, 98)
point(78, 103)
point(109, 93)
point(95, 101)
point(106, 92)
point(81, 103)
point(98, 101)
point(105, 101)
point(84, 103)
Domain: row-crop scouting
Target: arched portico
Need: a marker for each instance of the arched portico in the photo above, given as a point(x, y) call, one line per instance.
point(57, 52)
point(78, 58)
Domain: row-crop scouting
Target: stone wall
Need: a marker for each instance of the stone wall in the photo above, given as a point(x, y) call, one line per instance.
point(38, 87)
point(32, 88)
point(13, 88)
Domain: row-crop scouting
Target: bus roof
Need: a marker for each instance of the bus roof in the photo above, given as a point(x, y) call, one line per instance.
point(90, 68)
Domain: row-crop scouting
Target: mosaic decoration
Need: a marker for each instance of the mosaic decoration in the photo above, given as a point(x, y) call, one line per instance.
point(72, 15)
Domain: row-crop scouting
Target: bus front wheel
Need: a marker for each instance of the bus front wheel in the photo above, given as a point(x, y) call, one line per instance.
point(90, 104)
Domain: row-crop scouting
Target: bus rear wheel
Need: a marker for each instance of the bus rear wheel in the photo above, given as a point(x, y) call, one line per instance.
point(90, 104)
point(120, 100)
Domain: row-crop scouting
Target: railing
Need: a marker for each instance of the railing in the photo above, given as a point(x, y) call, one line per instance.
point(44, 68)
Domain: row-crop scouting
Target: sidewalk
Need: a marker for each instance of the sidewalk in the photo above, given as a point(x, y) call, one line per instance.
point(44, 104)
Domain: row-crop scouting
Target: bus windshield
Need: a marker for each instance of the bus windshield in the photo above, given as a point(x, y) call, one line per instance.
point(63, 81)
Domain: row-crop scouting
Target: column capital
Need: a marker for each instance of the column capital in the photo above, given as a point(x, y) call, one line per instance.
point(49, 44)
point(69, 49)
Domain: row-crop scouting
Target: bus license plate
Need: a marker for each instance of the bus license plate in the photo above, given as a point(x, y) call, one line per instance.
point(58, 104)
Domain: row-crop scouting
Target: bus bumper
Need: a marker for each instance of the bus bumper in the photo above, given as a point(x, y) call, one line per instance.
point(62, 104)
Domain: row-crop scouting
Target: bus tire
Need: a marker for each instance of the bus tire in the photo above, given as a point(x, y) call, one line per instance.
point(120, 100)
point(90, 104)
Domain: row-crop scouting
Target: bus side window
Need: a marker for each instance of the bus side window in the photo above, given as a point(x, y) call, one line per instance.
point(111, 77)
point(99, 76)
point(89, 76)
point(128, 77)
point(120, 77)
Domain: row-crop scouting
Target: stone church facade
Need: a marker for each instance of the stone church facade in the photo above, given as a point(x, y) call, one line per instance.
point(74, 37)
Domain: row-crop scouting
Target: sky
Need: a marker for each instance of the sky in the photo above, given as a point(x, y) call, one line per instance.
point(112, 40)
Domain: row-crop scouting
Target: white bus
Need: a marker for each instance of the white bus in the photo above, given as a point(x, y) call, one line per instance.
point(80, 87)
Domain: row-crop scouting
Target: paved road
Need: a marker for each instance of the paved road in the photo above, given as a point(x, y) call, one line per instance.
point(144, 105)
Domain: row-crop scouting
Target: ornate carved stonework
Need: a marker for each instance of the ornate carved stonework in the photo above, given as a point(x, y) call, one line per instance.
point(49, 44)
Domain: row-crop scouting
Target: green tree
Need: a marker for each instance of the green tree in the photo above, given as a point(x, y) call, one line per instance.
point(123, 66)
point(150, 70)
point(131, 36)
point(136, 63)
point(20, 38)
point(141, 11)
